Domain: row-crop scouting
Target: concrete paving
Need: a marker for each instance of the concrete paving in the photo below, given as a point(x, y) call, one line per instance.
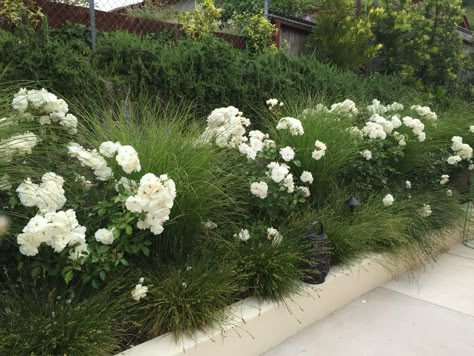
point(430, 313)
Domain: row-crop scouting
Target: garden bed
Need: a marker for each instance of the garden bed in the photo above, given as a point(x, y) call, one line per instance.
point(255, 328)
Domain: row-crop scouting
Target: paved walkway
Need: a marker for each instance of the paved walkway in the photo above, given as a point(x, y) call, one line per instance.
point(429, 314)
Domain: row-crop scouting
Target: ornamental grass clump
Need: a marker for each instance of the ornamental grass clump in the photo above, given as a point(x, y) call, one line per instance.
point(42, 321)
point(187, 298)
point(168, 141)
point(270, 263)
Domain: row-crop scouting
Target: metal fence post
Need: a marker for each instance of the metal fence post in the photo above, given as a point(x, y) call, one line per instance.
point(265, 7)
point(92, 23)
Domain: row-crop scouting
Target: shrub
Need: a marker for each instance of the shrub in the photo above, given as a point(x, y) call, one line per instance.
point(202, 21)
point(342, 39)
point(420, 41)
point(167, 139)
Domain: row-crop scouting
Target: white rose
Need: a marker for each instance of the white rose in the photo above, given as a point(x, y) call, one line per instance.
point(104, 236)
point(259, 189)
point(287, 153)
point(388, 200)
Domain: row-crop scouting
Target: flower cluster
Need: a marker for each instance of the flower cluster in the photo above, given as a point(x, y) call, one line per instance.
point(378, 108)
point(273, 103)
point(292, 125)
point(345, 108)
point(462, 151)
point(225, 127)
point(155, 198)
point(55, 229)
point(127, 157)
point(47, 197)
point(367, 154)
point(255, 143)
point(18, 145)
point(47, 106)
point(425, 112)
point(320, 150)
point(91, 159)
point(444, 179)
point(416, 126)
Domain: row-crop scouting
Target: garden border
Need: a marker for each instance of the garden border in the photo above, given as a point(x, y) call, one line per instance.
point(257, 327)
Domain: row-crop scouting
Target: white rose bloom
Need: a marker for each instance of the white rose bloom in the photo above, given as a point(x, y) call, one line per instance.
point(139, 292)
point(396, 122)
point(288, 183)
point(20, 100)
point(243, 235)
point(109, 149)
point(225, 127)
point(274, 236)
point(377, 108)
point(425, 211)
point(347, 107)
point(444, 179)
point(318, 144)
point(422, 137)
point(209, 225)
point(287, 153)
point(449, 193)
point(278, 172)
point(305, 190)
point(367, 154)
point(454, 159)
point(471, 128)
point(104, 236)
point(388, 200)
point(248, 151)
point(69, 122)
point(307, 177)
point(91, 159)
point(259, 189)
point(18, 145)
point(408, 184)
point(294, 126)
point(48, 196)
point(127, 158)
point(318, 154)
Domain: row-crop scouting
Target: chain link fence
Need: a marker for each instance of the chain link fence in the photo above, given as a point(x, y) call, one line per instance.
point(145, 16)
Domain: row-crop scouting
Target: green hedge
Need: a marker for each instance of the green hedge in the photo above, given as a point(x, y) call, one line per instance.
point(210, 73)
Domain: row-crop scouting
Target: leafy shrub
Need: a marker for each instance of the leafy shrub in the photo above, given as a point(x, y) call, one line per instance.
point(19, 12)
point(202, 21)
point(420, 41)
point(34, 56)
point(342, 39)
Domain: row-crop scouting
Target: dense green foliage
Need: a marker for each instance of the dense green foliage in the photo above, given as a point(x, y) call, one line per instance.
point(341, 38)
point(209, 73)
point(421, 41)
